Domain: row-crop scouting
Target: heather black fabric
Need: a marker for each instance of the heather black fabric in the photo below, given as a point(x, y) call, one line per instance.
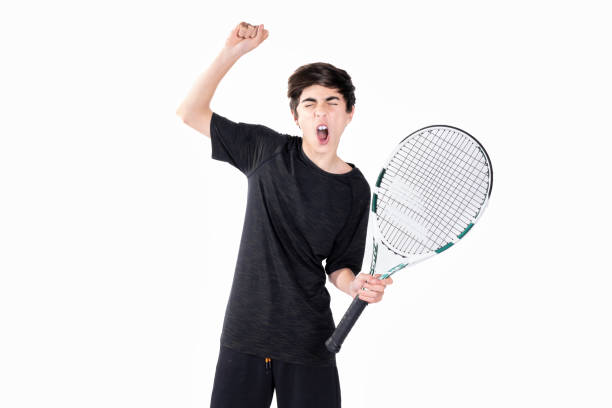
point(247, 381)
point(297, 216)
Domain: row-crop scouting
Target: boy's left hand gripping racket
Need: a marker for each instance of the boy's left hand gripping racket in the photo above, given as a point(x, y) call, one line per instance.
point(430, 193)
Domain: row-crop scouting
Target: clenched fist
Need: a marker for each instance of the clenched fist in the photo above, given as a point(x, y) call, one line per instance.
point(369, 288)
point(245, 37)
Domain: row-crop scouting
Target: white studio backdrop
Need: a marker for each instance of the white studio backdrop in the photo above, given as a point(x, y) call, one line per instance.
point(119, 234)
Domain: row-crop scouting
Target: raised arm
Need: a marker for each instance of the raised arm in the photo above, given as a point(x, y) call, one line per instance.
point(195, 109)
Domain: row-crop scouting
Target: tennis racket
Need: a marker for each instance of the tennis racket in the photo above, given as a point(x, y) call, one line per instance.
point(430, 193)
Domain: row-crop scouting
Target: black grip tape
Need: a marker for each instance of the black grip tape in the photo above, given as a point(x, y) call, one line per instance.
point(334, 343)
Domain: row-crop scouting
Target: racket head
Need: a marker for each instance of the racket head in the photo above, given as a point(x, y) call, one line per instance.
point(433, 188)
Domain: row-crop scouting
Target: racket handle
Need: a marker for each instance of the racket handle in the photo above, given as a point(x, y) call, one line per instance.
point(351, 315)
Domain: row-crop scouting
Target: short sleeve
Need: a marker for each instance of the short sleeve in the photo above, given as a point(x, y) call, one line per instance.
point(349, 245)
point(243, 145)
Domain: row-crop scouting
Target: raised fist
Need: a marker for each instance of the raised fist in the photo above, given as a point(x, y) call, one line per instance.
point(245, 37)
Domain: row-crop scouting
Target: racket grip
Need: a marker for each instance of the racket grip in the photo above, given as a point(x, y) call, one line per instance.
point(351, 315)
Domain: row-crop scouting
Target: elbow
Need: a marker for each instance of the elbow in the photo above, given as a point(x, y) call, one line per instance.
point(181, 114)
point(185, 118)
point(191, 116)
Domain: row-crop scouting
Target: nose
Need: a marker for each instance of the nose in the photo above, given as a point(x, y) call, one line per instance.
point(320, 111)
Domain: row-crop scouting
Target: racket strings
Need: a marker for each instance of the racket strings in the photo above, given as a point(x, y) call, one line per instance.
point(445, 184)
point(464, 184)
point(441, 167)
point(436, 182)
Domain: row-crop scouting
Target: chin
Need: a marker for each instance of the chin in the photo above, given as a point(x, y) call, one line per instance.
point(322, 148)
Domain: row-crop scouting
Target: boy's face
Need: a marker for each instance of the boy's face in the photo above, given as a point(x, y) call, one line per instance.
point(318, 106)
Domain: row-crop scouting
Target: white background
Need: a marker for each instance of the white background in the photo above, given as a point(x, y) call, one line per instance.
point(118, 233)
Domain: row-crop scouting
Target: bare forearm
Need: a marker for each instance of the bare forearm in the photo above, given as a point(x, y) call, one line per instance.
point(195, 109)
point(369, 288)
point(198, 99)
point(342, 279)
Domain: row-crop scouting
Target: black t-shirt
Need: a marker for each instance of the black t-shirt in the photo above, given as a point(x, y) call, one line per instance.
point(297, 216)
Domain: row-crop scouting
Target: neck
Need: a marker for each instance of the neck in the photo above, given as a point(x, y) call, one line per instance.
point(329, 162)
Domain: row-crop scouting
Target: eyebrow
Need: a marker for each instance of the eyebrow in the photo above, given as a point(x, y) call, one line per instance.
point(330, 98)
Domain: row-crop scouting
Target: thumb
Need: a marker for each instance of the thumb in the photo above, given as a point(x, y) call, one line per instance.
point(261, 33)
point(363, 277)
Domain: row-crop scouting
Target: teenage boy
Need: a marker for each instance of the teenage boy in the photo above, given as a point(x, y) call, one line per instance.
point(304, 205)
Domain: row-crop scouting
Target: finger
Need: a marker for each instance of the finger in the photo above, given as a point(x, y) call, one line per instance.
point(374, 296)
point(373, 280)
point(385, 282)
point(374, 288)
point(365, 297)
point(254, 31)
point(245, 29)
point(370, 297)
point(363, 278)
point(376, 278)
point(242, 27)
point(369, 293)
point(235, 32)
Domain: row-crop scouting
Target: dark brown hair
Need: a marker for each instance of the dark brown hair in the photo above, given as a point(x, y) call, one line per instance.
point(324, 74)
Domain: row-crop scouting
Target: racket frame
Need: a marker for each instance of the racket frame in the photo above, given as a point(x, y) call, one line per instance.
point(357, 306)
point(412, 259)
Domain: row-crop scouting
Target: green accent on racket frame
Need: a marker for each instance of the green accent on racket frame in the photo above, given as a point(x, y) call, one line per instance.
point(380, 177)
point(465, 230)
point(393, 270)
point(444, 248)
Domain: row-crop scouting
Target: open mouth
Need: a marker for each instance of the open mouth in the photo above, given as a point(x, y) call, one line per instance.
point(322, 134)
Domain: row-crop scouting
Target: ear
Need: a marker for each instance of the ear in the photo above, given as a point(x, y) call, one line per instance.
point(352, 113)
point(295, 118)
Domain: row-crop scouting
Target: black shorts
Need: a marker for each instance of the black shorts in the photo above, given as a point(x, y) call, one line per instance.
point(244, 380)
